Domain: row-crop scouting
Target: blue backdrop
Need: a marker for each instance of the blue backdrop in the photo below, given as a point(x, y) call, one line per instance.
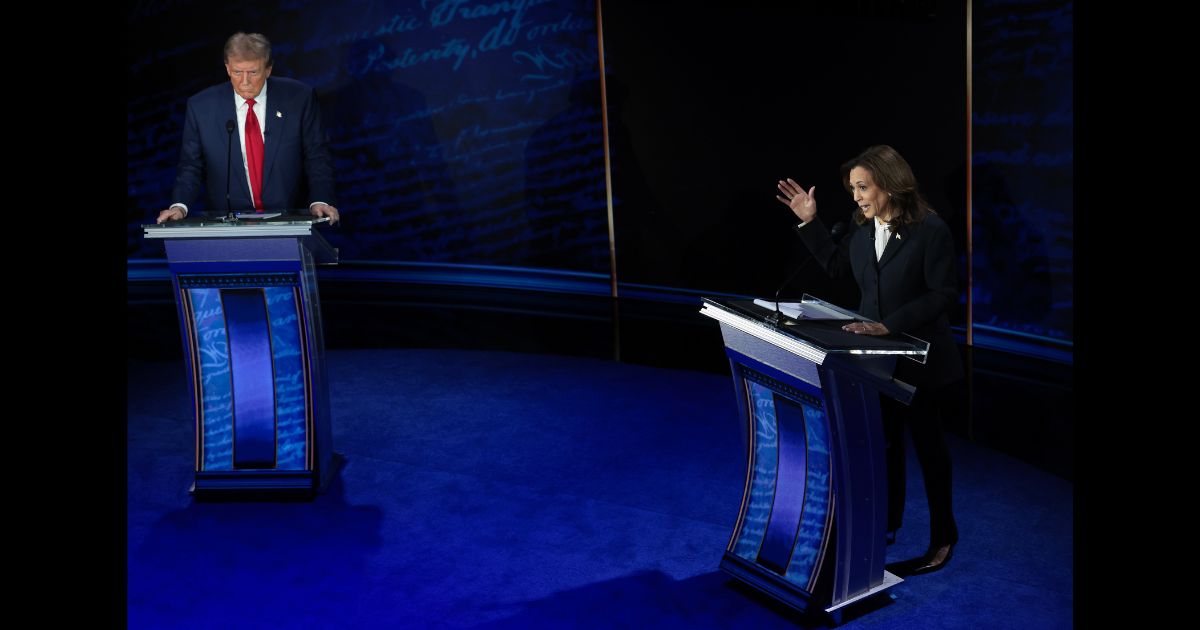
point(469, 132)
point(465, 132)
point(1023, 160)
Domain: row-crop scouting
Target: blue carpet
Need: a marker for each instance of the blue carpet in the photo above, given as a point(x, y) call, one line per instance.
point(503, 490)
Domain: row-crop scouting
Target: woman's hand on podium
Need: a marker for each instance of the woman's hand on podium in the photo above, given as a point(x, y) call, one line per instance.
point(803, 204)
point(866, 328)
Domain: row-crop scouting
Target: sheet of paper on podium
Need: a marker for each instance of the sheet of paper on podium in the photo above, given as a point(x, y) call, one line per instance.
point(803, 310)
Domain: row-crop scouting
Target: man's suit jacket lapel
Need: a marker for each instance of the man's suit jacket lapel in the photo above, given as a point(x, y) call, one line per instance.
point(271, 122)
point(237, 166)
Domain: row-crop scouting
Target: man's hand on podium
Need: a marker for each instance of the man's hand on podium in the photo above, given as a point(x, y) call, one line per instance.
point(174, 213)
point(326, 210)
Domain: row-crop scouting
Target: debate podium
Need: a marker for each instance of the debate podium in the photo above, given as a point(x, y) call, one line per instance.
point(250, 321)
point(812, 524)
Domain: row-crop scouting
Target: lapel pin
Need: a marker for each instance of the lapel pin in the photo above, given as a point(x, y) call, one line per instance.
point(279, 114)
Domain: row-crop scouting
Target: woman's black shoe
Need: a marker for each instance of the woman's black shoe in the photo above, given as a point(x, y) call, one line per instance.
point(933, 560)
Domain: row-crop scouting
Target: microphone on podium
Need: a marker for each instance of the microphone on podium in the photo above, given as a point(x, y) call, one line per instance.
point(835, 233)
point(229, 127)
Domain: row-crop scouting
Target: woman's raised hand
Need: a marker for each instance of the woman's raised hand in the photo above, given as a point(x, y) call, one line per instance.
point(803, 204)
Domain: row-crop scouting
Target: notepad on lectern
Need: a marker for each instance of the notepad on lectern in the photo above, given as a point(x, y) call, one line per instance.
point(803, 310)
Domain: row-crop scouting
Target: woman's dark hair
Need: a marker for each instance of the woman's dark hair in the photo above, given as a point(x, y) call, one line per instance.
point(891, 173)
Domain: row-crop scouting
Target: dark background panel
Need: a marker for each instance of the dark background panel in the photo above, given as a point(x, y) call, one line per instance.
point(1023, 121)
point(469, 132)
point(710, 108)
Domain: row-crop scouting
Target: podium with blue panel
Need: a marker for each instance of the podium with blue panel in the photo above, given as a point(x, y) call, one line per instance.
point(250, 320)
point(812, 524)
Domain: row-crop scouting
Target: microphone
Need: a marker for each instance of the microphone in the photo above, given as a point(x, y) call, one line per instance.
point(835, 233)
point(229, 127)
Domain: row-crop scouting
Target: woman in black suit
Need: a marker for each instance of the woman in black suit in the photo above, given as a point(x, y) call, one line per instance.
point(902, 257)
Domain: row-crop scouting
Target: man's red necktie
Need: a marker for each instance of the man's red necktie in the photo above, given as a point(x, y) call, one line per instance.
point(254, 155)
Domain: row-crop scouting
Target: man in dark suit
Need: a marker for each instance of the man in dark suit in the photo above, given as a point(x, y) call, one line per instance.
point(281, 161)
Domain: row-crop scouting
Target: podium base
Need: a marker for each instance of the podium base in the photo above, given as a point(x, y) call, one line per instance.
point(294, 485)
point(767, 582)
point(779, 589)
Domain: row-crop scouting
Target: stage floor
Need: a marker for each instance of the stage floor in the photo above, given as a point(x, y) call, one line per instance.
point(506, 489)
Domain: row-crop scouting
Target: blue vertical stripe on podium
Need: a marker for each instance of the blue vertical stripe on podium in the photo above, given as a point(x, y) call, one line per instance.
point(212, 355)
point(290, 399)
point(252, 378)
point(762, 477)
point(776, 551)
point(818, 495)
point(790, 486)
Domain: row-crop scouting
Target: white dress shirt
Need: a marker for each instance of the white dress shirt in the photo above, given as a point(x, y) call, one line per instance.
point(881, 237)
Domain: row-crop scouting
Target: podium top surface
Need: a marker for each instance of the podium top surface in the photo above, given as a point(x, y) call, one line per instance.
point(819, 326)
point(245, 226)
